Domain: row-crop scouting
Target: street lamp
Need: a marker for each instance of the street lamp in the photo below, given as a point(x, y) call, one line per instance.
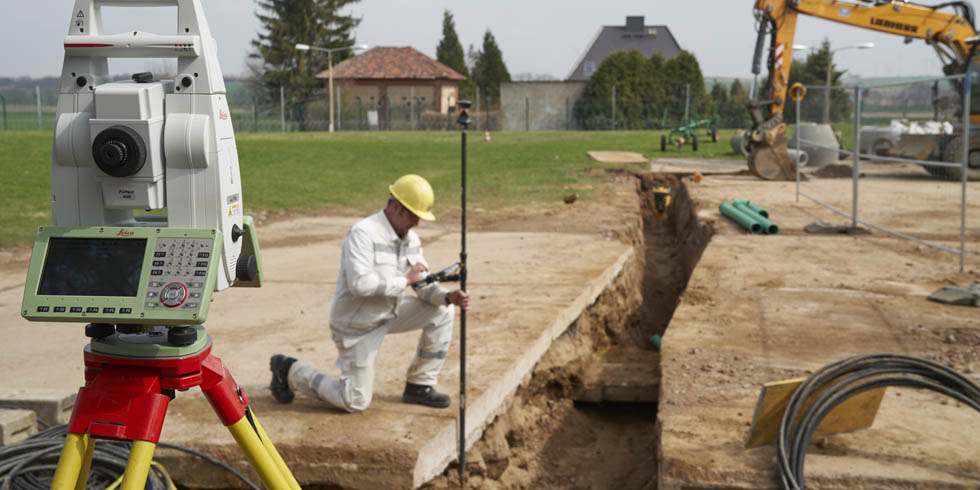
point(830, 69)
point(329, 51)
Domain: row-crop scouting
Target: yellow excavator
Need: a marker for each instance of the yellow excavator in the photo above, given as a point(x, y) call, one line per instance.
point(948, 27)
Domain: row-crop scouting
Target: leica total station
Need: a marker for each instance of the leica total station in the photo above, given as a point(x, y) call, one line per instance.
point(142, 281)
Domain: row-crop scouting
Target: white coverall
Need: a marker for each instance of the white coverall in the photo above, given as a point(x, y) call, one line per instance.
point(368, 304)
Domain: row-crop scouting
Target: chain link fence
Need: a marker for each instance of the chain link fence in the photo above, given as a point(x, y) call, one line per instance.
point(884, 142)
point(522, 106)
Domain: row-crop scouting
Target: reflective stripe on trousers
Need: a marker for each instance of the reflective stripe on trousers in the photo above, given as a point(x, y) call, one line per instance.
point(357, 356)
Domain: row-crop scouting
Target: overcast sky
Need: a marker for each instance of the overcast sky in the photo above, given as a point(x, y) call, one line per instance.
point(536, 36)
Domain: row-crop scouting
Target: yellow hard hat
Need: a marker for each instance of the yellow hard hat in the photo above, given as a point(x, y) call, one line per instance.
point(416, 194)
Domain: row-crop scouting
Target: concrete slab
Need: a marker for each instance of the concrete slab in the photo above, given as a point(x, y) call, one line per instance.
point(16, 425)
point(617, 157)
point(52, 405)
point(527, 289)
point(765, 308)
point(704, 166)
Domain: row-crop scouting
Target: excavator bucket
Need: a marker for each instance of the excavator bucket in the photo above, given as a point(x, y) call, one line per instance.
point(768, 157)
point(914, 146)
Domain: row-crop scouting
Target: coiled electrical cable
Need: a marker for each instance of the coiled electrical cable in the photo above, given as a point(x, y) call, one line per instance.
point(833, 384)
point(30, 464)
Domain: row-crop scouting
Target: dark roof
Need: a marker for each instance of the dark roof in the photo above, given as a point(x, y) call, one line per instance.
point(633, 35)
point(392, 64)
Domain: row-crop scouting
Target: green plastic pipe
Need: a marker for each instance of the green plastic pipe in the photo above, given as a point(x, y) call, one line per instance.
point(753, 206)
point(768, 227)
point(744, 220)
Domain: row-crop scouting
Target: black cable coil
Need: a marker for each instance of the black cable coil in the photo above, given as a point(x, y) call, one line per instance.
point(841, 380)
point(30, 464)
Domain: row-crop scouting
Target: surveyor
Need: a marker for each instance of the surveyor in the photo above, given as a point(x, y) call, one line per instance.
point(381, 260)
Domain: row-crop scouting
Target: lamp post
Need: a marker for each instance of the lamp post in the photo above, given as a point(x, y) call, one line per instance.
point(329, 51)
point(830, 69)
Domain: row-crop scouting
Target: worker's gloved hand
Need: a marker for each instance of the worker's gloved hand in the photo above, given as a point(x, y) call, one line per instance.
point(459, 298)
point(417, 273)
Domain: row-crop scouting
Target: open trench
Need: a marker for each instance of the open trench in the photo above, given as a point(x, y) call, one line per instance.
point(548, 437)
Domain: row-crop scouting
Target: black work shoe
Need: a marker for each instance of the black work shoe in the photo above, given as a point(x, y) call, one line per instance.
point(280, 364)
point(425, 395)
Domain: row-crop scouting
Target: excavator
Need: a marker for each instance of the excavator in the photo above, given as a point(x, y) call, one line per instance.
point(948, 27)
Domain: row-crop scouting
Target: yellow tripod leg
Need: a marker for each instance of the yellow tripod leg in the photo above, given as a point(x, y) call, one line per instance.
point(257, 455)
point(274, 454)
point(70, 462)
point(86, 463)
point(138, 465)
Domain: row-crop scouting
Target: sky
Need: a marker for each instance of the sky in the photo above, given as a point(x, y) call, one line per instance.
point(541, 37)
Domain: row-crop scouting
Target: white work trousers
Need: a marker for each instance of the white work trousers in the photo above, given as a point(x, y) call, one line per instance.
point(358, 354)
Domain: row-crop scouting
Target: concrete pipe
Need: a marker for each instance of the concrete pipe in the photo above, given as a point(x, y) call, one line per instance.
point(819, 143)
point(799, 157)
point(739, 142)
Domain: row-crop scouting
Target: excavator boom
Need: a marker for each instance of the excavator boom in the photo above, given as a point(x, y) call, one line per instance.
point(952, 33)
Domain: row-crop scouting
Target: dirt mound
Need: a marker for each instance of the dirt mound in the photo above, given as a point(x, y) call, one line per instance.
point(835, 171)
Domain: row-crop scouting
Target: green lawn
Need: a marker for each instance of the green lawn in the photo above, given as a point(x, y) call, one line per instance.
point(350, 171)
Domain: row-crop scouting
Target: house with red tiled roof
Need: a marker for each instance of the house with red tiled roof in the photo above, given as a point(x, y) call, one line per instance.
point(399, 77)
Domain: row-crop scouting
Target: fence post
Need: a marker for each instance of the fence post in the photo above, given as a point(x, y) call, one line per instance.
point(477, 107)
point(568, 114)
point(37, 93)
point(527, 113)
point(856, 171)
point(4, 101)
point(687, 104)
point(614, 107)
point(339, 112)
point(388, 109)
point(360, 112)
point(282, 107)
point(489, 99)
point(798, 138)
point(255, 113)
point(967, 133)
point(411, 107)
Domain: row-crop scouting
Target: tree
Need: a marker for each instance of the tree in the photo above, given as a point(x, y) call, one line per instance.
point(683, 70)
point(276, 61)
point(450, 53)
point(489, 71)
point(637, 93)
point(736, 114)
point(813, 72)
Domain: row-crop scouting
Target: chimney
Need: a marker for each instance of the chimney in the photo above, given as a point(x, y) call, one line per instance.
point(634, 24)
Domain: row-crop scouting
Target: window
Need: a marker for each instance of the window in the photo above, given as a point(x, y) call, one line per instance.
point(588, 68)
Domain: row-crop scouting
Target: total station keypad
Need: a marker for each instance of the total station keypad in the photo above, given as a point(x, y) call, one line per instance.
point(180, 266)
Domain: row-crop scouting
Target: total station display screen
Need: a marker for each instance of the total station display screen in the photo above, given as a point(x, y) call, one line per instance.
point(92, 267)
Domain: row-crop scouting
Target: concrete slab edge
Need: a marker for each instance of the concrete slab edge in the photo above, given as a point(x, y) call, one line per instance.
point(443, 449)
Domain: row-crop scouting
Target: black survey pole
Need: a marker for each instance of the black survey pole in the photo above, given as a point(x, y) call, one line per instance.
point(464, 122)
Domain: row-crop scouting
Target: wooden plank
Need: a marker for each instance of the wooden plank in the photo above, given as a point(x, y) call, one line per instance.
point(621, 374)
point(855, 413)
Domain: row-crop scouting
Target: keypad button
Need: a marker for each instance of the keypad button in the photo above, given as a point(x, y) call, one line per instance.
point(200, 273)
point(59, 309)
point(156, 272)
point(108, 310)
point(159, 254)
point(92, 309)
point(125, 311)
point(43, 309)
point(76, 309)
point(203, 255)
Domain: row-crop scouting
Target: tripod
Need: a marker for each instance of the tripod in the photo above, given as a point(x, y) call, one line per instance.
point(129, 382)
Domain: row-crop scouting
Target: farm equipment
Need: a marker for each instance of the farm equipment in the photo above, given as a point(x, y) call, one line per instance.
point(953, 35)
point(681, 135)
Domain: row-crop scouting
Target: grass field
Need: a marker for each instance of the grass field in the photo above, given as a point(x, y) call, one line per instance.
point(350, 171)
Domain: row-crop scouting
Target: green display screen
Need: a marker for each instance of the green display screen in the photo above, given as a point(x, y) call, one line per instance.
point(92, 267)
